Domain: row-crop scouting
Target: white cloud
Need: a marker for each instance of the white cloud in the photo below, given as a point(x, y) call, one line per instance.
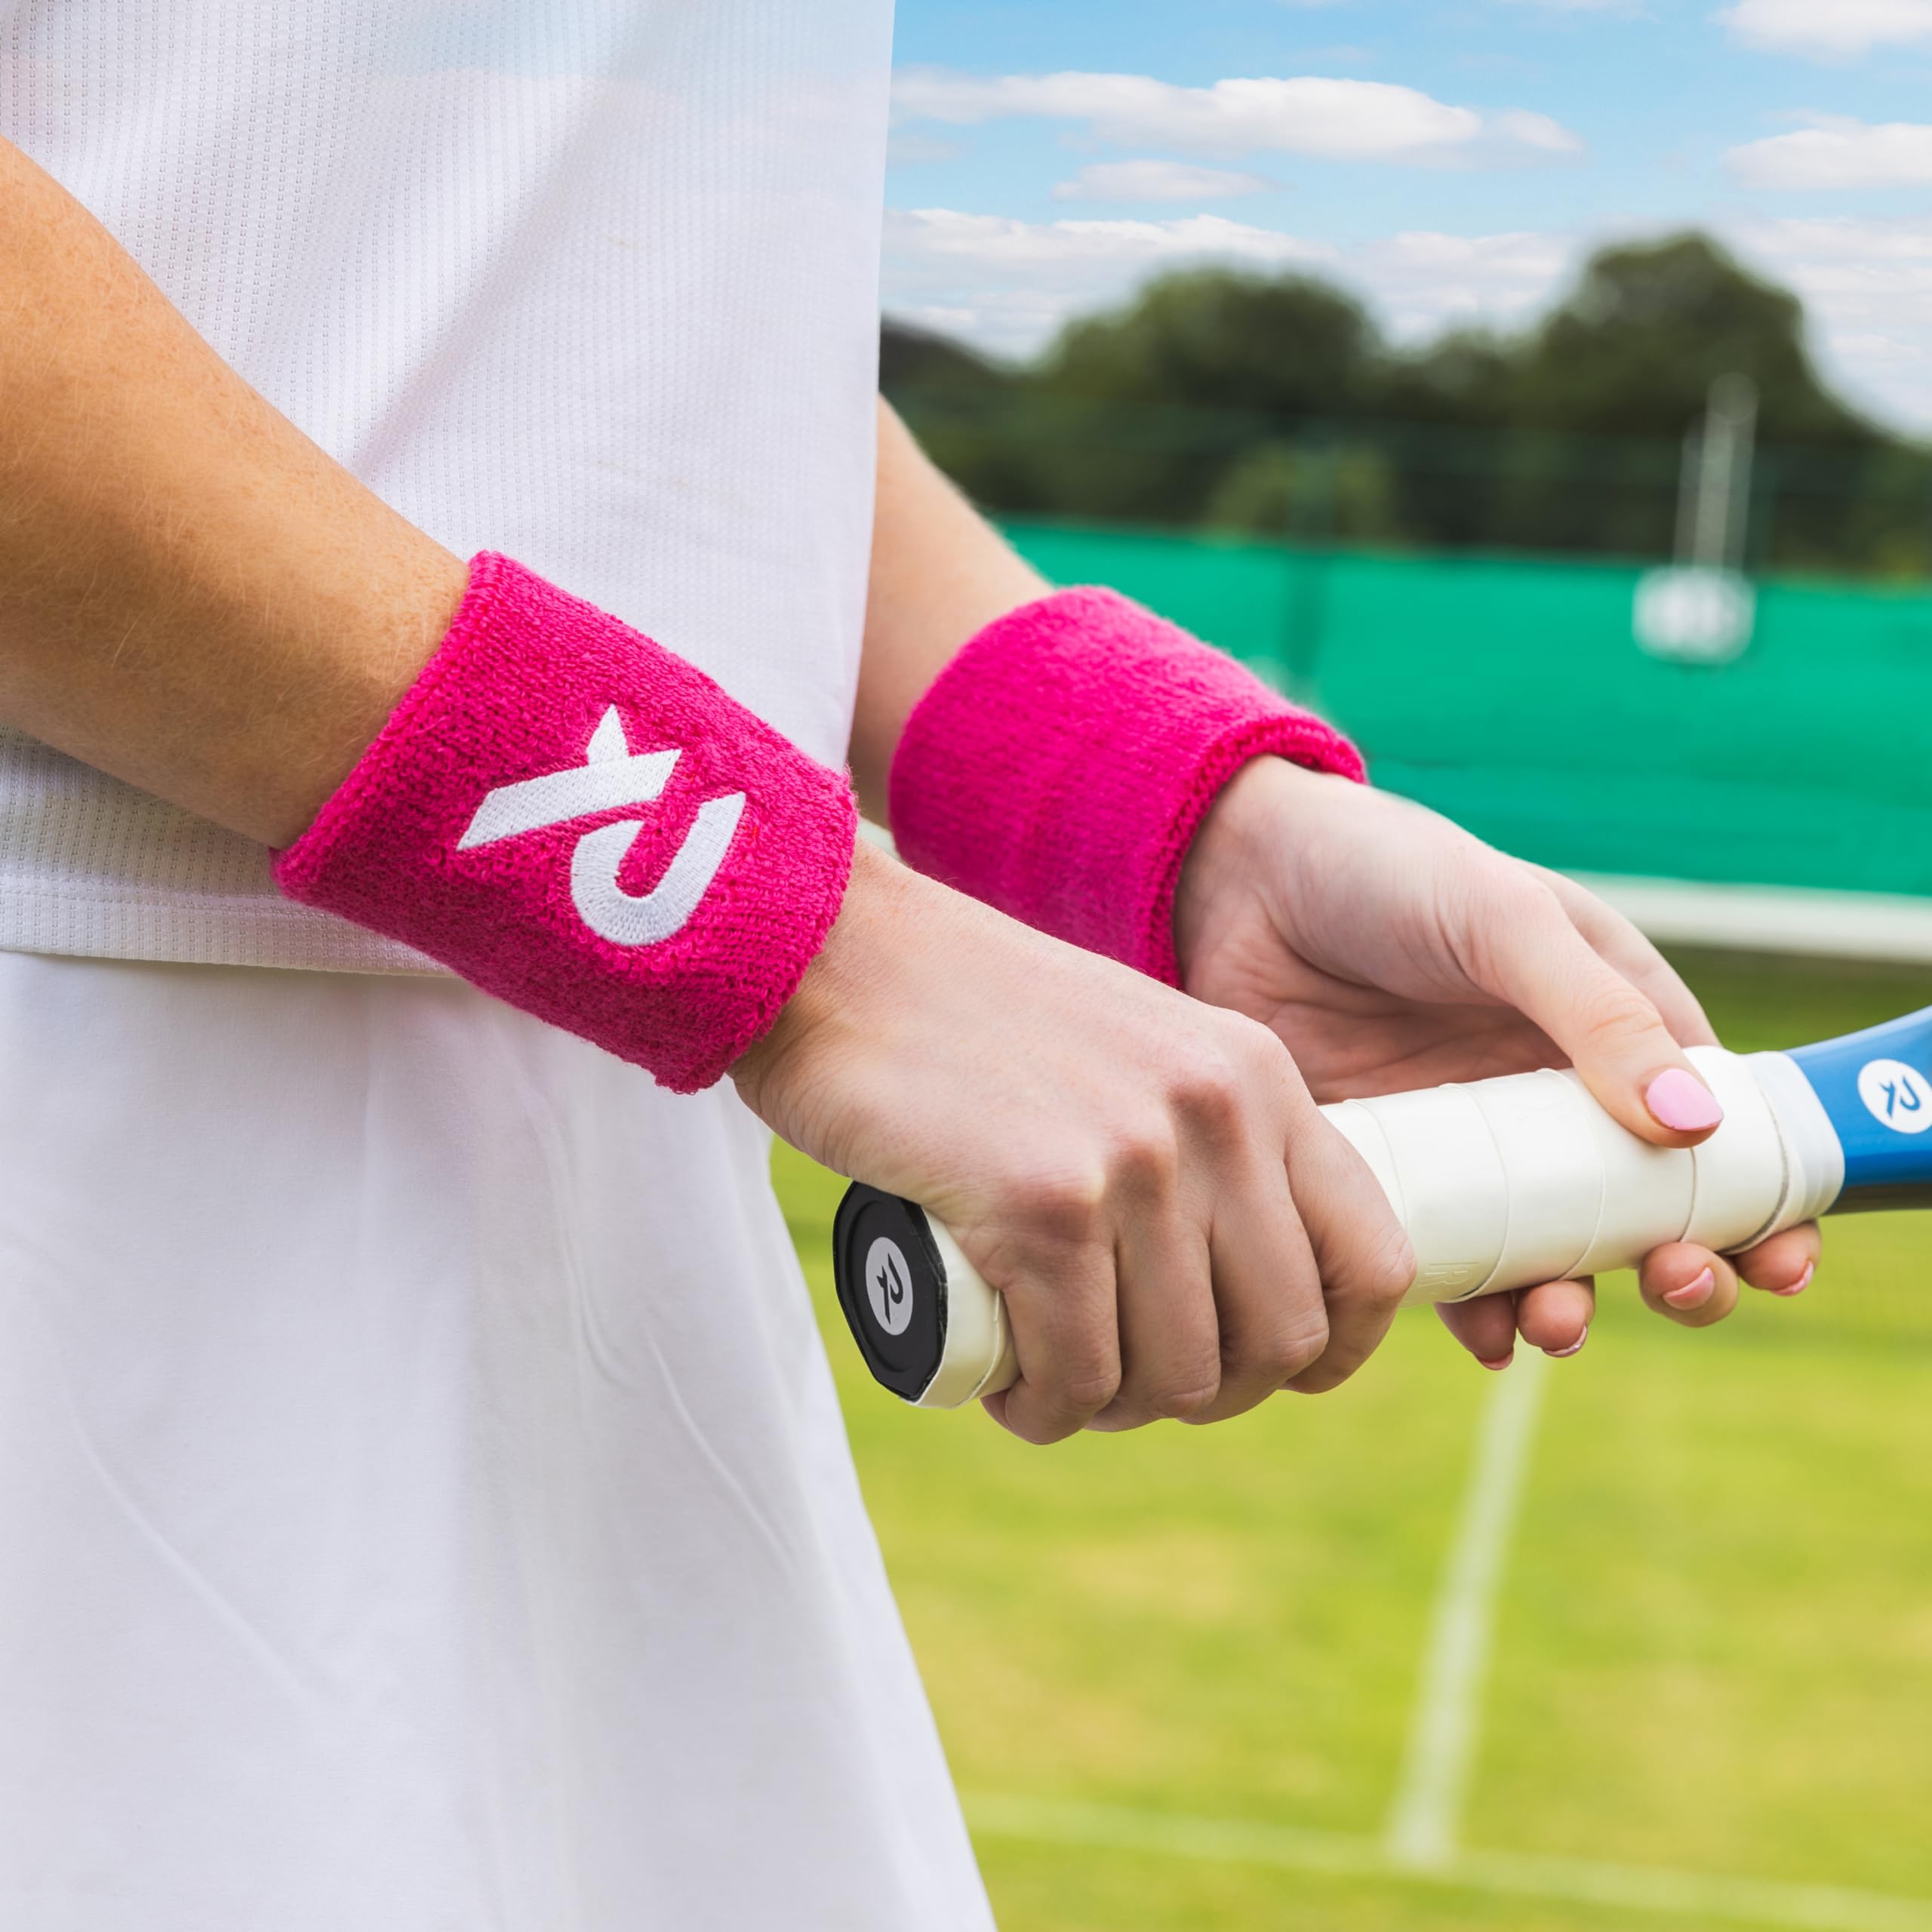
point(1829, 27)
point(1157, 181)
point(907, 148)
point(1871, 345)
point(1008, 284)
point(993, 241)
point(1536, 130)
point(1342, 119)
point(1425, 280)
point(1835, 152)
point(1867, 287)
point(1019, 280)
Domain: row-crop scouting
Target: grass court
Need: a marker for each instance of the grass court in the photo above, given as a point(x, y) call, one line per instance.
point(1643, 1638)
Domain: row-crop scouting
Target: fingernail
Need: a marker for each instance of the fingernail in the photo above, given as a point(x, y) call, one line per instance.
point(1501, 1362)
point(1562, 1355)
point(1681, 1102)
point(1803, 1282)
point(1693, 1294)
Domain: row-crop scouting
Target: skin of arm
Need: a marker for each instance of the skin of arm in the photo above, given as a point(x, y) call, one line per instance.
point(940, 573)
point(196, 598)
point(1362, 931)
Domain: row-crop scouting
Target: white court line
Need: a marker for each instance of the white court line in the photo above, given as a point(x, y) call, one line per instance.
point(1419, 1847)
point(1701, 1897)
point(1428, 1807)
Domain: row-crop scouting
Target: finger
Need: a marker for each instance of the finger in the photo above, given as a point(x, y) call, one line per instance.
point(1528, 952)
point(1170, 1339)
point(1486, 1326)
point(1268, 1295)
point(1366, 1263)
point(1065, 1338)
point(1688, 1285)
point(1785, 1264)
point(1616, 940)
point(1556, 1317)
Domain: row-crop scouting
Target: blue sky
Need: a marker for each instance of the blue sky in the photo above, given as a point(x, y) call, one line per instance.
point(1450, 159)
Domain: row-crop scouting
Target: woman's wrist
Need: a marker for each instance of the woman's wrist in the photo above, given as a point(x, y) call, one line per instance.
point(833, 986)
point(1239, 843)
point(580, 822)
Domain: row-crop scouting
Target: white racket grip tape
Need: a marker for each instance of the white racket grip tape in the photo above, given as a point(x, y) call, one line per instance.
point(979, 1358)
point(1503, 1183)
point(1507, 1182)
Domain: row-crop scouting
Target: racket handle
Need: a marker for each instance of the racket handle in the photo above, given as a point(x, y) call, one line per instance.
point(1500, 1184)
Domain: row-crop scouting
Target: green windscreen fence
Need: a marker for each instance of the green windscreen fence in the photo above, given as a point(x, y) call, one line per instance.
point(1512, 694)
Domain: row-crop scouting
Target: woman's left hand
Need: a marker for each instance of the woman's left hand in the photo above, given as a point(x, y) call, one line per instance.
point(1389, 949)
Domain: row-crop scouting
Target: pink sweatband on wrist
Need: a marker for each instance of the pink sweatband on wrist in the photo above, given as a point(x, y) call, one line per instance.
point(580, 823)
point(1061, 763)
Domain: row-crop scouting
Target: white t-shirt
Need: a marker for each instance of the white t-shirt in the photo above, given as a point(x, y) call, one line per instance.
point(593, 282)
point(425, 1505)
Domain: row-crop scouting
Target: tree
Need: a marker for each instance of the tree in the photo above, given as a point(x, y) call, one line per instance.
point(927, 364)
point(1270, 403)
point(1215, 339)
point(1141, 413)
point(1634, 348)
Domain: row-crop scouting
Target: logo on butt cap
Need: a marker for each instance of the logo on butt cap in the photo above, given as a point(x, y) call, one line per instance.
point(889, 1285)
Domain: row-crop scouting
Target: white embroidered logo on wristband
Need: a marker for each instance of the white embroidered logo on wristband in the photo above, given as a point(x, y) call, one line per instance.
point(663, 903)
point(612, 775)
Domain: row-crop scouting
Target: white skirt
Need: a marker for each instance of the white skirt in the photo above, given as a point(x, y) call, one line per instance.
point(423, 1505)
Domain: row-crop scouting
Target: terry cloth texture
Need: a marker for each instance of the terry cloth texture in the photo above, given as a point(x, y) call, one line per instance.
point(578, 822)
point(593, 282)
point(1060, 764)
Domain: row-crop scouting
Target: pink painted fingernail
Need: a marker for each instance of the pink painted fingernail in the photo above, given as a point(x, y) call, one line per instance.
point(1803, 1282)
point(1563, 1355)
point(1681, 1102)
point(1501, 1362)
point(1693, 1294)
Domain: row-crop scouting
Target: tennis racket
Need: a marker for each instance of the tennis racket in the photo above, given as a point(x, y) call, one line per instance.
point(1500, 1184)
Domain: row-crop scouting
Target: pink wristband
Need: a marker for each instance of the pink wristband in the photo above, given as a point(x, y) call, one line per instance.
point(580, 823)
point(1060, 764)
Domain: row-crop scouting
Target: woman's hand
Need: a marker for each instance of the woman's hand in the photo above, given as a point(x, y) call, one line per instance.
point(1177, 1230)
point(1387, 949)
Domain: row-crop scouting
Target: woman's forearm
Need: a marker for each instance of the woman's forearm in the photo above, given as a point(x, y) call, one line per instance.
point(195, 598)
point(940, 573)
point(192, 595)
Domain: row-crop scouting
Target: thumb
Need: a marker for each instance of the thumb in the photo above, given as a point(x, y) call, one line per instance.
point(1610, 1031)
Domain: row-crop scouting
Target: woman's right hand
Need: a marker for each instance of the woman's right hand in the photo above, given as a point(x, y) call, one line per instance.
point(1176, 1230)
